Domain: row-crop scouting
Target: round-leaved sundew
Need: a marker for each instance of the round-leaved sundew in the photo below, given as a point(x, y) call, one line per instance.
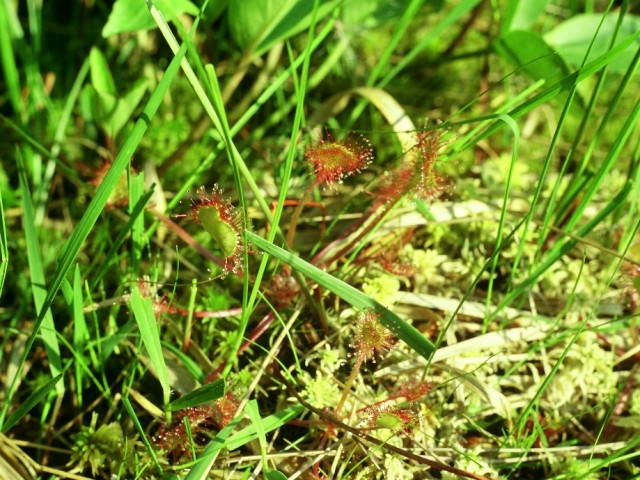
point(334, 160)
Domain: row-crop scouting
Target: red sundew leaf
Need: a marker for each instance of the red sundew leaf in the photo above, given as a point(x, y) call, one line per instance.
point(333, 160)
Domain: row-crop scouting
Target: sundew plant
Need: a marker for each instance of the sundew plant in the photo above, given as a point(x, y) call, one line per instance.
point(320, 239)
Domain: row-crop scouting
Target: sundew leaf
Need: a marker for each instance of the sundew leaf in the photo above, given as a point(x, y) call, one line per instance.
point(223, 233)
point(405, 332)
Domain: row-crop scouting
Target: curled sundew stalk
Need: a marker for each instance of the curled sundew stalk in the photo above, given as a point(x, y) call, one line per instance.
point(417, 177)
point(332, 161)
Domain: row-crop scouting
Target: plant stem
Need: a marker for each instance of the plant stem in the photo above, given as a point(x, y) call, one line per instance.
point(296, 215)
point(348, 383)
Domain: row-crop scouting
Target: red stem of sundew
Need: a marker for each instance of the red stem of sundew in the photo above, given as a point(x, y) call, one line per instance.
point(295, 203)
point(319, 259)
point(358, 433)
point(291, 233)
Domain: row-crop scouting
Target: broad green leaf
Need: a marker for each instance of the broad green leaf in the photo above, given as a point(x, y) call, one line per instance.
point(101, 77)
point(133, 15)
point(113, 112)
point(274, 475)
point(530, 52)
point(262, 23)
point(521, 14)
point(572, 38)
point(359, 14)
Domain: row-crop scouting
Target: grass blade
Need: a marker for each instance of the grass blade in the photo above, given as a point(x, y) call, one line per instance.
point(4, 247)
point(38, 282)
point(72, 247)
point(207, 393)
point(405, 332)
point(146, 319)
point(31, 401)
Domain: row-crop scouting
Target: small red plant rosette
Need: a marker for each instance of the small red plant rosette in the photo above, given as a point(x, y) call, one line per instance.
point(371, 338)
point(334, 160)
point(223, 222)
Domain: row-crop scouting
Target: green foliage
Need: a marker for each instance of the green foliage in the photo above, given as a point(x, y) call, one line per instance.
point(573, 38)
point(133, 15)
point(500, 263)
point(258, 24)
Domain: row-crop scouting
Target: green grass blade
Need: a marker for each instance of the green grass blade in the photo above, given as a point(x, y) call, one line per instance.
point(405, 332)
point(72, 247)
point(207, 393)
point(561, 248)
point(250, 433)
point(254, 416)
point(202, 466)
point(80, 331)
point(141, 431)
point(38, 281)
point(612, 156)
point(112, 254)
point(557, 88)
point(9, 65)
point(4, 247)
point(31, 401)
point(433, 34)
point(142, 309)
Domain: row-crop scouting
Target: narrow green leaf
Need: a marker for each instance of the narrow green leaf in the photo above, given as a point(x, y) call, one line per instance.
point(142, 309)
point(80, 330)
point(405, 332)
point(203, 465)
point(4, 247)
point(31, 401)
point(101, 77)
point(207, 393)
point(73, 245)
point(8, 58)
point(269, 423)
point(38, 280)
point(254, 416)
